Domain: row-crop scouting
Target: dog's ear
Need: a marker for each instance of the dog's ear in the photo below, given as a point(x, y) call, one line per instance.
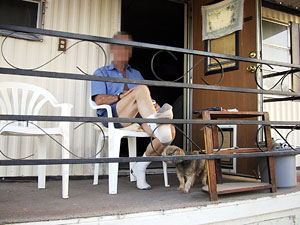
point(166, 152)
point(169, 150)
point(180, 151)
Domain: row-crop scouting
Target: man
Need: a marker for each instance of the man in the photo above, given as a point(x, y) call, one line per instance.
point(130, 101)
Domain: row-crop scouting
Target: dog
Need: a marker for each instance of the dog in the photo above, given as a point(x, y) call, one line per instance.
point(187, 170)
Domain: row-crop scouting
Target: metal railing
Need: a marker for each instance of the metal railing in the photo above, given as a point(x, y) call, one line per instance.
point(24, 72)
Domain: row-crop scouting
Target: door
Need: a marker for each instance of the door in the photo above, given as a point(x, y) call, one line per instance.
point(158, 22)
point(236, 76)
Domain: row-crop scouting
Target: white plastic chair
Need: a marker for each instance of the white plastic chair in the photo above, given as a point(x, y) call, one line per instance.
point(114, 136)
point(26, 99)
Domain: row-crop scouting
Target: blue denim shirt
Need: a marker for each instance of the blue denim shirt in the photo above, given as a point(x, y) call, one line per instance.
point(110, 88)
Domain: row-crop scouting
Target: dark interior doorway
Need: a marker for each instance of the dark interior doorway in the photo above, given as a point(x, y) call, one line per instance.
point(157, 22)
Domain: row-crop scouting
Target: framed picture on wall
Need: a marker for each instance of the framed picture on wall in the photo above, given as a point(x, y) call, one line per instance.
point(228, 45)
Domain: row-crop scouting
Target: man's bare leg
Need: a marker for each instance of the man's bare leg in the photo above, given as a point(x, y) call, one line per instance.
point(159, 148)
point(139, 169)
point(139, 101)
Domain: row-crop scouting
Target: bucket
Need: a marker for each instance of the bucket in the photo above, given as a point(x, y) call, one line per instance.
point(285, 167)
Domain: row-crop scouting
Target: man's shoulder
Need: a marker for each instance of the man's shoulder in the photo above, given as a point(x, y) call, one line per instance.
point(136, 73)
point(134, 70)
point(102, 71)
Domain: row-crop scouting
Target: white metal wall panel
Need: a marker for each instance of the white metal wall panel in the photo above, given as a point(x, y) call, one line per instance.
point(92, 17)
point(285, 111)
point(279, 16)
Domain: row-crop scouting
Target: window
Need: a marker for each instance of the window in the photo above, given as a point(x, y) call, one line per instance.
point(276, 47)
point(228, 45)
point(26, 13)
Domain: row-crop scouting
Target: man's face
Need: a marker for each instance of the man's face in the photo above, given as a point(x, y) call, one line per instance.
point(121, 53)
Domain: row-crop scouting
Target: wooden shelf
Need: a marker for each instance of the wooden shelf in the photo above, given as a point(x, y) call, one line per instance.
point(215, 182)
point(232, 115)
point(234, 187)
point(238, 150)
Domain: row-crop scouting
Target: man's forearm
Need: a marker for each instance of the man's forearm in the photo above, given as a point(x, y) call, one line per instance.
point(106, 99)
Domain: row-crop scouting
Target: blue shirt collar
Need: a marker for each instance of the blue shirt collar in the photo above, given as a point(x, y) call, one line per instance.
point(112, 67)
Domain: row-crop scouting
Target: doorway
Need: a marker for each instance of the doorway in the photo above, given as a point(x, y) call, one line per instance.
point(157, 22)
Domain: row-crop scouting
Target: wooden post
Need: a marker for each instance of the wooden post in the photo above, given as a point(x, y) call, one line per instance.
point(217, 161)
point(210, 163)
point(270, 160)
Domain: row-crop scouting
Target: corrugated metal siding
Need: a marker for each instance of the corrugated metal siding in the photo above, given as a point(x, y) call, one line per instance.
point(293, 4)
point(285, 111)
point(279, 16)
point(93, 17)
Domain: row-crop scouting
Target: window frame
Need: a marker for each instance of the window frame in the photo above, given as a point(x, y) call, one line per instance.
point(275, 46)
point(228, 65)
point(39, 24)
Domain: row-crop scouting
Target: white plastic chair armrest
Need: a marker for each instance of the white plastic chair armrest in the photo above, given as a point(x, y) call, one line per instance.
point(104, 106)
point(107, 108)
point(65, 108)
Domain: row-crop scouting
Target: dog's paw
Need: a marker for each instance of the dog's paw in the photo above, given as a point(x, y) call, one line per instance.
point(180, 188)
point(186, 190)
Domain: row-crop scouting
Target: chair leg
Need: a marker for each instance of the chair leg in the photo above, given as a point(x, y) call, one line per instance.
point(113, 152)
point(165, 168)
point(96, 169)
point(42, 168)
point(132, 153)
point(65, 168)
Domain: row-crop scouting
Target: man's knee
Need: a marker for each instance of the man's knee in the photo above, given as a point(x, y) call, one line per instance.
point(173, 130)
point(142, 90)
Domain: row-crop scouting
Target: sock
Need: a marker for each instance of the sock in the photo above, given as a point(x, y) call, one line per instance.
point(139, 171)
point(163, 131)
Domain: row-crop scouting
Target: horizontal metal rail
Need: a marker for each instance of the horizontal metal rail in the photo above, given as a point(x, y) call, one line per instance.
point(143, 120)
point(287, 127)
point(90, 38)
point(282, 99)
point(280, 73)
point(139, 44)
point(144, 159)
point(144, 82)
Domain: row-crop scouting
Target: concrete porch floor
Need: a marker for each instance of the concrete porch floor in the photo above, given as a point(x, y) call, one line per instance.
point(21, 201)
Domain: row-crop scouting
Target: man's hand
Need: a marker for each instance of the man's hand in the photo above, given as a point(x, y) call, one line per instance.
point(157, 106)
point(126, 93)
point(110, 99)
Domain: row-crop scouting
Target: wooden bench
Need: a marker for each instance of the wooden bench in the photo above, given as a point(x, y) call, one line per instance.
point(212, 145)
